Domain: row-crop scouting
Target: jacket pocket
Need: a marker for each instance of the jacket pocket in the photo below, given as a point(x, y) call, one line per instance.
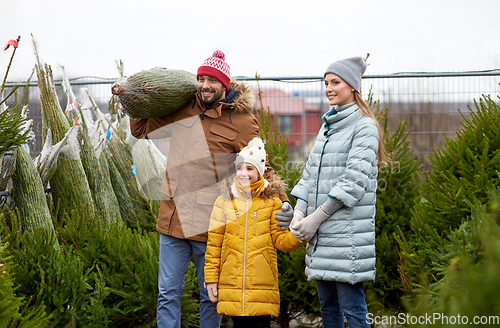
point(273, 265)
point(224, 132)
point(206, 197)
point(261, 272)
point(230, 267)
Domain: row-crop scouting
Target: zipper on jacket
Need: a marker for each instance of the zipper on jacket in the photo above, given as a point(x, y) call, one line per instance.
point(317, 188)
point(254, 223)
point(245, 260)
point(319, 172)
point(237, 223)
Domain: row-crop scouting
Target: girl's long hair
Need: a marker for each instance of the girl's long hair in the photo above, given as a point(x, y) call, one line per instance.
point(367, 111)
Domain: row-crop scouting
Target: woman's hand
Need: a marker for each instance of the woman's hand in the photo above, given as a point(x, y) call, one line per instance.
point(306, 227)
point(298, 215)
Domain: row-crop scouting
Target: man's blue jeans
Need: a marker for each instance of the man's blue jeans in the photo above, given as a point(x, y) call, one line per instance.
point(175, 255)
point(337, 299)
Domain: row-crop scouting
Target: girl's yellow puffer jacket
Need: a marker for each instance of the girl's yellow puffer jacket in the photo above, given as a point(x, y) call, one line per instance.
point(241, 249)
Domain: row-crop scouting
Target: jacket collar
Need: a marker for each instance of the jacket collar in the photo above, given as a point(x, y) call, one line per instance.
point(259, 190)
point(240, 100)
point(335, 121)
point(333, 115)
point(215, 110)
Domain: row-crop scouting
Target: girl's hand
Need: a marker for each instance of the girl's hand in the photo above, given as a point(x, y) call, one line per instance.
point(284, 216)
point(212, 292)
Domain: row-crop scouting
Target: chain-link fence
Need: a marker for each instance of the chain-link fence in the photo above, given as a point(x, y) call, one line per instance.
point(431, 103)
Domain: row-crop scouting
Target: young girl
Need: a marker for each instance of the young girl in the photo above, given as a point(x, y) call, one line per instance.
point(336, 198)
point(241, 269)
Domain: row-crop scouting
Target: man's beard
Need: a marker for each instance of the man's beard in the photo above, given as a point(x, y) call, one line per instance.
point(214, 99)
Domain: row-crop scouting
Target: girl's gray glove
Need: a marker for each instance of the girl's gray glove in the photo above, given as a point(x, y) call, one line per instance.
point(284, 216)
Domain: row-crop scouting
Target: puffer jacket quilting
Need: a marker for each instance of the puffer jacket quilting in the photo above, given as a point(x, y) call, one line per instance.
point(342, 164)
point(241, 251)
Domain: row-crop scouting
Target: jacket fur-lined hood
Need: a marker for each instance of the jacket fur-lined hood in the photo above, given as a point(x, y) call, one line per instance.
point(273, 185)
point(244, 99)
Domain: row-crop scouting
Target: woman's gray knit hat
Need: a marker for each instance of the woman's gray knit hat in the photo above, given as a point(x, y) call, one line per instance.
point(350, 70)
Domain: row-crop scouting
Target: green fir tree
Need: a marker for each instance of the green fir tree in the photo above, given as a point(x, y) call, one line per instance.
point(397, 194)
point(462, 173)
point(467, 265)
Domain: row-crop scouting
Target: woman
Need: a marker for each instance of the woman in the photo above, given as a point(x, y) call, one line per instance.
point(336, 198)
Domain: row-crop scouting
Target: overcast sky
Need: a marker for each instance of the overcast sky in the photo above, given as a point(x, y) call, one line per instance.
point(271, 37)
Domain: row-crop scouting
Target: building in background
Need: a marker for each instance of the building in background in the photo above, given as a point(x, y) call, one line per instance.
point(297, 118)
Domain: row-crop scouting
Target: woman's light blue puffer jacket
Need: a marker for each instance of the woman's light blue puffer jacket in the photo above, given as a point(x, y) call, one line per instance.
point(342, 164)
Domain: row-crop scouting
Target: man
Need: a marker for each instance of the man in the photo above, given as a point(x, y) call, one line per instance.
point(205, 136)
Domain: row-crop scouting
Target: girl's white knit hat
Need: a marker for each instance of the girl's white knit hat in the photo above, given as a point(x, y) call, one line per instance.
point(254, 153)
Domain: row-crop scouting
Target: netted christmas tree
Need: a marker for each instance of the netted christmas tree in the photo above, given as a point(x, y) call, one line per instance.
point(29, 195)
point(69, 185)
point(98, 179)
point(155, 93)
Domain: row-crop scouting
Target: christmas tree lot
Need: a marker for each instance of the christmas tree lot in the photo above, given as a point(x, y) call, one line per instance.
point(78, 245)
point(79, 248)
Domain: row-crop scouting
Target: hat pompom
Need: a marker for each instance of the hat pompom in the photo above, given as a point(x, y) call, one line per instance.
point(256, 142)
point(219, 54)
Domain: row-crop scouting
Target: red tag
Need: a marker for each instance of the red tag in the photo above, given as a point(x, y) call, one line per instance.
point(76, 121)
point(13, 43)
point(73, 105)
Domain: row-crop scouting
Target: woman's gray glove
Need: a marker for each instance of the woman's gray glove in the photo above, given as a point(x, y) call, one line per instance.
point(305, 229)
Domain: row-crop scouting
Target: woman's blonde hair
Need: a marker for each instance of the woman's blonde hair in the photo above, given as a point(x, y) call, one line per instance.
point(367, 111)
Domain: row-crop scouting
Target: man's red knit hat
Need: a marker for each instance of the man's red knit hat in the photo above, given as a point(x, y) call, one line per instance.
point(217, 67)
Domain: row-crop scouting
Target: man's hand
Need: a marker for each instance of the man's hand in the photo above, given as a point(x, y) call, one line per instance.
point(305, 229)
point(212, 292)
point(284, 216)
